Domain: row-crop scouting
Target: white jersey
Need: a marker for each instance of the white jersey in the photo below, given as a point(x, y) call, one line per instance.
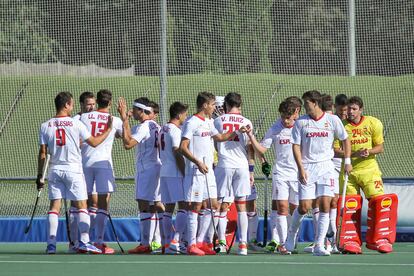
point(169, 138)
point(199, 131)
point(100, 156)
point(280, 137)
point(316, 136)
point(232, 153)
point(62, 137)
point(146, 134)
point(77, 116)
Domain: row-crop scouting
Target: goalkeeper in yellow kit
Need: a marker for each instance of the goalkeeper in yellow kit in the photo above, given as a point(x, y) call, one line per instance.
point(367, 140)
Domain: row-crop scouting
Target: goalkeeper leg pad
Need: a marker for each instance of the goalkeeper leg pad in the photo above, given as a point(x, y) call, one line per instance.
point(350, 240)
point(382, 222)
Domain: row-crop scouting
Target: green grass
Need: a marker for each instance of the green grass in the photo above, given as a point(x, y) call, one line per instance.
point(388, 98)
point(29, 259)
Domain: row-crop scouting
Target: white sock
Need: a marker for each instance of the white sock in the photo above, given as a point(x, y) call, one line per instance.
point(154, 230)
point(273, 224)
point(222, 225)
point(242, 225)
point(205, 222)
point(315, 219)
point(296, 222)
point(282, 227)
point(253, 222)
point(167, 226)
point(100, 225)
point(159, 229)
point(332, 222)
point(323, 225)
point(210, 232)
point(192, 218)
point(73, 225)
point(52, 226)
point(289, 220)
point(92, 214)
point(84, 224)
point(144, 223)
point(180, 225)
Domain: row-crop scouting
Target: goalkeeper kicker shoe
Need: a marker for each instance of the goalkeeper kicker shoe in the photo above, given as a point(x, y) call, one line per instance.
point(382, 246)
point(352, 248)
point(88, 248)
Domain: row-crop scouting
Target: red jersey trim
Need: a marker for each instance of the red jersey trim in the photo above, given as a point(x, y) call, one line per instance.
point(201, 118)
point(317, 119)
point(357, 124)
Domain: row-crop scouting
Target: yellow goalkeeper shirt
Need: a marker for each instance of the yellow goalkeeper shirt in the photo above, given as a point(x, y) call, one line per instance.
point(364, 135)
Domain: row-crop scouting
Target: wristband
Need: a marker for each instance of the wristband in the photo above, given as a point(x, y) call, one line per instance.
point(251, 168)
point(347, 161)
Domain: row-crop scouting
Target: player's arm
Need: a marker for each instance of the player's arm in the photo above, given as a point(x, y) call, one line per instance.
point(222, 137)
point(179, 160)
point(185, 150)
point(41, 159)
point(259, 149)
point(297, 154)
point(127, 139)
point(95, 141)
point(250, 160)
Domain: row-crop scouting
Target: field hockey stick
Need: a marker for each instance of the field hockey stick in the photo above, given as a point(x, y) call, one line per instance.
point(341, 212)
point(67, 222)
point(216, 249)
point(45, 166)
point(115, 234)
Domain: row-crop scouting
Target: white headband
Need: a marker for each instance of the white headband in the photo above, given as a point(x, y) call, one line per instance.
point(144, 107)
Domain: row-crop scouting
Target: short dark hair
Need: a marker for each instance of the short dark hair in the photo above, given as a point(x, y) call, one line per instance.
point(233, 99)
point(204, 97)
point(103, 98)
point(313, 96)
point(176, 109)
point(296, 101)
point(86, 95)
point(287, 108)
point(145, 101)
point(327, 102)
point(356, 100)
point(61, 99)
point(341, 99)
point(155, 107)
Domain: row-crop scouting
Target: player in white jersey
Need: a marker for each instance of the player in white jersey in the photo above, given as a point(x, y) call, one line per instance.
point(285, 182)
point(195, 145)
point(232, 170)
point(171, 177)
point(87, 103)
point(97, 162)
point(312, 138)
point(60, 137)
point(148, 164)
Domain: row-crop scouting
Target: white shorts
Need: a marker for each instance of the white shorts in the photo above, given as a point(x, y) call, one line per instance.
point(232, 183)
point(147, 184)
point(253, 193)
point(99, 180)
point(336, 179)
point(321, 181)
point(68, 185)
point(285, 190)
point(172, 189)
point(195, 187)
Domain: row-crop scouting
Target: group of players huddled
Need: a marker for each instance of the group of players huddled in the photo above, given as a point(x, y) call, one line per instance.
point(204, 165)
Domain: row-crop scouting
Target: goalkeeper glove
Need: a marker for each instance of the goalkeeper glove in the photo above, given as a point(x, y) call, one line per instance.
point(266, 169)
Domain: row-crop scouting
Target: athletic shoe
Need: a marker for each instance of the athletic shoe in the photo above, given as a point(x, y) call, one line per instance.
point(222, 246)
point(194, 250)
point(320, 251)
point(253, 246)
point(156, 248)
point(282, 250)
point(88, 248)
point(291, 241)
point(382, 246)
point(51, 249)
point(242, 250)
point(72, 249)
point(173, 248)
point(328, 245)
point(335, 250)
point(272, 246)
point(104, 248)
point(309, 248)
point(207, 248)
point(352, 247)
point(140, 249)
